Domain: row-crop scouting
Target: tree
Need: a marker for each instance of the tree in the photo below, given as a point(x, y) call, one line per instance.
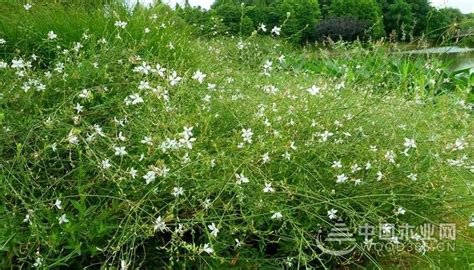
point(231, 14)
point(443, 22)
point(399, 19)
point(420, 10)
point(366, 10)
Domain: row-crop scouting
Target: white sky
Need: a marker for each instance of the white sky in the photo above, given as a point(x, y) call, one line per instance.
point(466, 6)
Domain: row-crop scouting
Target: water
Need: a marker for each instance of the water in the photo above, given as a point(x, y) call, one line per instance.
point(459, 58)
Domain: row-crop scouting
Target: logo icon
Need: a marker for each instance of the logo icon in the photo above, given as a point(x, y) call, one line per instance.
point(342, 238)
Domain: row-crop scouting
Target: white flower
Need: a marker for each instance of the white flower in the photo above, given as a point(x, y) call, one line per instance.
point(73, 139)
point(85, 94)
point(207, 248)
point(120, 24)
point(187, 142)
point(79, 108)
point(368, 165)
point(332, 214)
point(281, 59)
point(207, 203)
point(214, 229)
point(121, 137)
point(390, 156)
point(337, 164)
point(459, 144)
point(174, 79)
point(120, 151)
point(237, 243)
point(379, 175)
point(409, 143)
point(105, 164)
point(57, 203)
point(341, 178)
point(313, 90)
point(276, 30)
point(268, 188)
point(27, 219)
point(386, 228)
point(241, 179)
point(199, 76)
point(325, 135)
point(2, 41)
point(355, 168)
point(412, 176)
point(133, 173)
point(149, 177)
point(265, 158)
point(267, 67)
point(277, 215)
point(143, 69)
point(38, 262)
point(159, 225)
point(27, 6)
point(262, 27)
point(52, 35)
point(400, 211)
point(160, 70)
point(293, 146)
point(62, 219)
point(147, 140)
point(247, 135)
point(144, 85)
point(133, 99)
point(177, 191)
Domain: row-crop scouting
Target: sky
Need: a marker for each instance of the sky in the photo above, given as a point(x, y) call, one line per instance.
point(466, 6)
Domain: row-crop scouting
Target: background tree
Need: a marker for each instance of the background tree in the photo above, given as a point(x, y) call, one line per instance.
point(365, 10)
point(399, 19)
point(443, 22)
point(420, 10)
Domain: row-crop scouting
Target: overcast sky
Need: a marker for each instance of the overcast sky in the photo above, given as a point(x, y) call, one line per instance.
point(466, 6)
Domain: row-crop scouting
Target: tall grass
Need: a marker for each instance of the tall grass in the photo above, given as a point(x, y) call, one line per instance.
point(113, 164)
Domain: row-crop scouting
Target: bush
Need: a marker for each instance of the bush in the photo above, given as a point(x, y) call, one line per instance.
point(365, 10)
point(345, 28)
point(140, 145)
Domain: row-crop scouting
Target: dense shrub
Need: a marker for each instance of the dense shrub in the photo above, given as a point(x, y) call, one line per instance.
point(137, 144)
point(365, 10)
point(345, 28)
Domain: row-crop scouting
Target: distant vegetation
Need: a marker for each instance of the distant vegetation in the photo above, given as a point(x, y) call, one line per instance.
point(312, 20)
point(130, 139)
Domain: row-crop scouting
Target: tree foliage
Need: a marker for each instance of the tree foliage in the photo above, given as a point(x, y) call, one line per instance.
point(309, 20)
point(366, 10)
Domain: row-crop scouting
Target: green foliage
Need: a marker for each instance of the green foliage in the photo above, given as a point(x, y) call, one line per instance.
point(399, 20)
point(366, 10)
point(443, 23)
point(88, 116)
point(420, 10)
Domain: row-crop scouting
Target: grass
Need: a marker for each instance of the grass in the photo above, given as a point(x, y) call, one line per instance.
point(109, 160)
